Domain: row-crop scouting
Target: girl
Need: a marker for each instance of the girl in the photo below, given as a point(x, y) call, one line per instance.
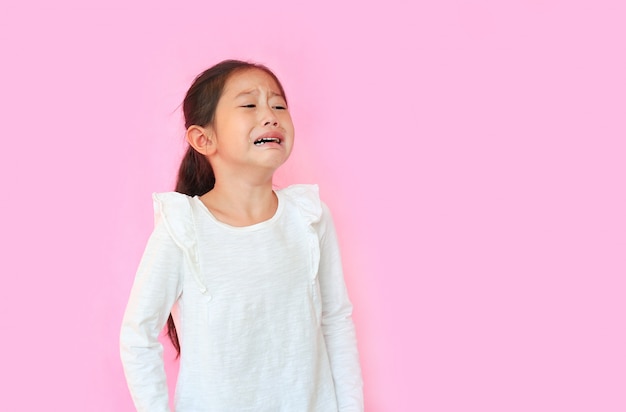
point(252, 276)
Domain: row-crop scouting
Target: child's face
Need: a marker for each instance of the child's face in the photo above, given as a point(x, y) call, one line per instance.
point(252, 123)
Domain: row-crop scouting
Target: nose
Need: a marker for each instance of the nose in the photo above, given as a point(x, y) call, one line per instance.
point(269, 118)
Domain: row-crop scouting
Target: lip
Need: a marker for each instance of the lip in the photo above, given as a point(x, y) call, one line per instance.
point(270, 135)
point(273, 134)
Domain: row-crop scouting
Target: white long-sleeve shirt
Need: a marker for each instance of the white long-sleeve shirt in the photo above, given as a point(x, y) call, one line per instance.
point(262, 312)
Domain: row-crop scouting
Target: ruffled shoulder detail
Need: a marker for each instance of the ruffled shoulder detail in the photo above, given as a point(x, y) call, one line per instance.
point(307, 198)
point(307, 201)
point(174, 210)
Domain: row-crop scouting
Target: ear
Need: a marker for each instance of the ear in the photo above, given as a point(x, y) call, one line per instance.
point(202, 139)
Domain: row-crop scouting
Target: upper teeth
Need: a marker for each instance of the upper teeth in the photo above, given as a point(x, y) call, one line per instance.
point(264, 140)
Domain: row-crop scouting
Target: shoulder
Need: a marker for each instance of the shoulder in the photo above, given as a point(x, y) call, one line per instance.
point(301, 191)
point(170, 203)
point(170, 198)
point(174, 211)
point(306, 198)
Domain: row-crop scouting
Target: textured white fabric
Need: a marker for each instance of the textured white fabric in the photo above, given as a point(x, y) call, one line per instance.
point(262, 311)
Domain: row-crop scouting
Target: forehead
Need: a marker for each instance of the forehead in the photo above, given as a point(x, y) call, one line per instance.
point(250, 80)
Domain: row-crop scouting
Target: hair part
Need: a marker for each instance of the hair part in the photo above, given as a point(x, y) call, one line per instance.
point(195, 174)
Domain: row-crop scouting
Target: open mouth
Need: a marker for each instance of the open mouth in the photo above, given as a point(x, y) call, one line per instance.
point(262, 140)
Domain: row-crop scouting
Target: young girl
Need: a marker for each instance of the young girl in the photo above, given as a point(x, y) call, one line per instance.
point(252, 277)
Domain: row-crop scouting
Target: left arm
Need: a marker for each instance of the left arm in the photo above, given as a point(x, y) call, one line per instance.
point(337, 324)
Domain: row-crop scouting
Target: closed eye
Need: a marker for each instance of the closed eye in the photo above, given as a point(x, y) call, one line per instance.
point(280, 108)
point(249, 106)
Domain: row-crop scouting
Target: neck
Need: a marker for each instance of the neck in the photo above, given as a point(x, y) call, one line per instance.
point(241, 203)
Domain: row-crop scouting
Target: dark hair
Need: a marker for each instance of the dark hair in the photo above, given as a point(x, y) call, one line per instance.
point(195, 174)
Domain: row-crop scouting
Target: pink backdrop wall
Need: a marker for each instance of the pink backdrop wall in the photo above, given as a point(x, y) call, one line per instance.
point(472, 153)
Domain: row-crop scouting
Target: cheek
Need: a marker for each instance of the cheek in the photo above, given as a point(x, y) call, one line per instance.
point(234, 124)
point(287, 122)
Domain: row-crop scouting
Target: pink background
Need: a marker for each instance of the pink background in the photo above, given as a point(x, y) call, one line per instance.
point(472, 153)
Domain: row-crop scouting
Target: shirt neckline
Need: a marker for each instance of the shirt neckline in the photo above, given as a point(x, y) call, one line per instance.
point(248, 228)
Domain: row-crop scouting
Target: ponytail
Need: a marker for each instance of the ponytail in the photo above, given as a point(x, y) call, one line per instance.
point(195, 174)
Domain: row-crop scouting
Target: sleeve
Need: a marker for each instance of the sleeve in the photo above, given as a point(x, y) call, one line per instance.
point(337, 325)
point(156, 288)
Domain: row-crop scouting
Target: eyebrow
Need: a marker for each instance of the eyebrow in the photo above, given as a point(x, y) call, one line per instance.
point(249, 92)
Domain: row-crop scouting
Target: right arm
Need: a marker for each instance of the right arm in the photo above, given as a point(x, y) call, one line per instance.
point(157, 286)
